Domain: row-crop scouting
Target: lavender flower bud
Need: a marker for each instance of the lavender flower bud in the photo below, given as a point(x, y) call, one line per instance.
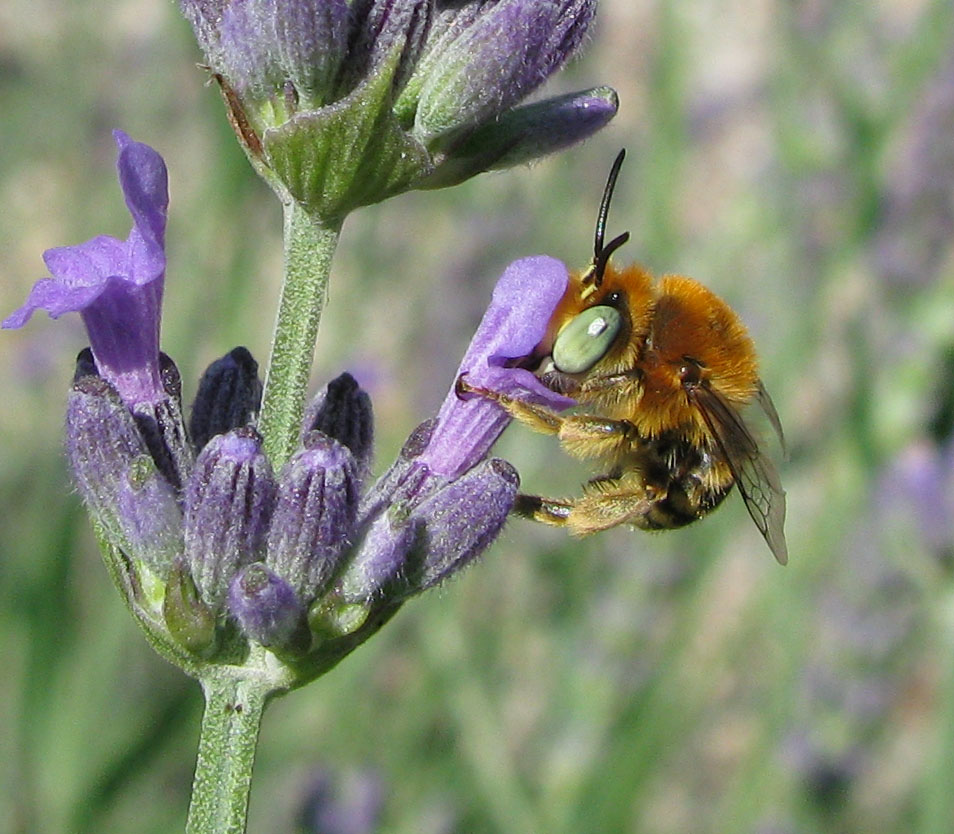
point(102, 441)
point(228, 503)
point(229, 394)
point(314, 515)
point(150, 516)
point(267, 609)
point(380, 560)
point(163, 430)
point(387, 27)
point(85, 365)
point(508, 51)
point(525, 133)
point(312, 41)
point(461, 520)
point(418, 543)
point(342, 410)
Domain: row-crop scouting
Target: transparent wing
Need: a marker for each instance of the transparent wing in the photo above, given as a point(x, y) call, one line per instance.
point(755, 474)
point(765, 403)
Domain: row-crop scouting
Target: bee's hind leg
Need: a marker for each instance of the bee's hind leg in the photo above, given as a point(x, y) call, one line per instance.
point(613, 503)
point(544, 510)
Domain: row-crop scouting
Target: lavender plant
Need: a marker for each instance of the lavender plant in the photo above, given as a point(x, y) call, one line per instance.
point(248, 541)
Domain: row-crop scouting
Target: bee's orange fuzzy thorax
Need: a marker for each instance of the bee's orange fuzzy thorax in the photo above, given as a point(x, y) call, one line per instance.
point(692, 321)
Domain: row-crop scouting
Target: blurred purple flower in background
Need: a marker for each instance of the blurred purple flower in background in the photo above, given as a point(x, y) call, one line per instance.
point(348, 803)
point(916, 495)
point(862, 671)
point(915, 229)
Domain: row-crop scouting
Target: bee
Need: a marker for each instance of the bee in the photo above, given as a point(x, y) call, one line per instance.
point(663, 372)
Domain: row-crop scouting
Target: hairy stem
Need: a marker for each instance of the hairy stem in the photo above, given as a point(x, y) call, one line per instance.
point(309, 248)
point(223, 771)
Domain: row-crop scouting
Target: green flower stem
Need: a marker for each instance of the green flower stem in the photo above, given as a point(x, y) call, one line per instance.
point(223, 771)
point(309, 248)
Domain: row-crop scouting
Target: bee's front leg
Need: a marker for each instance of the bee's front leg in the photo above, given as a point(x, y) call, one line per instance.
point(582, 435)
point(538, 417)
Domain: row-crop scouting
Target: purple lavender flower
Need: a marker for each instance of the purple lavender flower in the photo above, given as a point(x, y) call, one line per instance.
point(442, 503)
point(349, 803)
point(115, 285)
point(514, 324)
point(343, 104)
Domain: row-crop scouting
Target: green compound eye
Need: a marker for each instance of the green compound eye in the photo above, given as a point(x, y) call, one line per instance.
point(585, 340)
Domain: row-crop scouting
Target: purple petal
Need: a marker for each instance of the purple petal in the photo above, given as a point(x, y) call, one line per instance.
point(515, 323)
point(145, 184)
point(116, 285)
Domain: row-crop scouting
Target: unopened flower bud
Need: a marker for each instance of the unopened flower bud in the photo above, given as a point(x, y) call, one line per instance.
point(150, 516)
point(102, 441)
point(164, 432)
point(379, 562)
point(229, 394)
point(342, 410)
point(314, 514)
point(387, 27)
point(432, 528)
point(505, 53)
point(461, 520)
point(524, 134)
point(228, 503)
point(85, 365)
point(267, 609)
point(340, 103)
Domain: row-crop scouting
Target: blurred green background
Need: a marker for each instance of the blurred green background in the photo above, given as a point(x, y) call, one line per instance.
point(797, 156)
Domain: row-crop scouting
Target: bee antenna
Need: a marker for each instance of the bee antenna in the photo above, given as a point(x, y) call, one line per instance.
point(601, 252)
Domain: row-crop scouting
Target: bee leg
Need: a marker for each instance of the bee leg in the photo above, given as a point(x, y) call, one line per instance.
point(544, 510)
point(589, 436)
point(583, 435)
point(622, 387)
point(536, 416)
point(590, 513)
point(612, 506)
